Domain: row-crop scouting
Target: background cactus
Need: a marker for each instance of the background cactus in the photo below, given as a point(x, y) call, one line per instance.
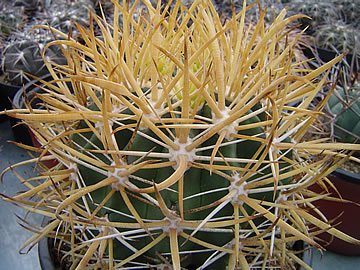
point(319, 12)
point(344, 104)
point(30, 7)
point(11, 19)
point(338, 36)
point(349, 10)
point(23, 55)
point(176, 144)
point(62, 14)
point(22, 49)
point(333, 24)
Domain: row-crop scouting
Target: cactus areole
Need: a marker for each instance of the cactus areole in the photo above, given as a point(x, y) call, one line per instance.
point(176, 143)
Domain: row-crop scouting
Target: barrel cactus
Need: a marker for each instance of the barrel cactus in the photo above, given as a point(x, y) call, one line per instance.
point(349, 10)
point(344, 104)
point(22, 58)
point(22, 53)
point(176, 145)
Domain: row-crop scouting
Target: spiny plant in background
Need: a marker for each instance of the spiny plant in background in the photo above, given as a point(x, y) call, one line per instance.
point(344, 105)
point(317, 12)
point(338, 36)
point(333, 24)
point(61, 14)
point(176, 145)
point(225, 7)
point(29, 7)
point(11, 19)
point(21, 54)
point(57, 13)
point(23, 57)
point(273, 8)
point(349, 10)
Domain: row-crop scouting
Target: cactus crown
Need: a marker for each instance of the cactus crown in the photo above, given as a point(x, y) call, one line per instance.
point(176, 143)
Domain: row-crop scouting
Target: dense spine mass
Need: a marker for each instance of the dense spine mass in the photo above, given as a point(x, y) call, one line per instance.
point(178, 143)
point(344, 104)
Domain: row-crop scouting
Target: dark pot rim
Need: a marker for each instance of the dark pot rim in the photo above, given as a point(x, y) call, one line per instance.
point(7, 93)
point(46, 262)
point(9, 87)
point(327, 55)
point(307, 255)
point(30, 88)
point(21, 132)
point(346, 176)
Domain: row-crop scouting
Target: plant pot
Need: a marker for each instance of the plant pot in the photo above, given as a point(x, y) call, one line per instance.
point(347, 214)
point(306, 255)
point(327, 55)
point(21, 132)
point(45, 259)
point(7, 93)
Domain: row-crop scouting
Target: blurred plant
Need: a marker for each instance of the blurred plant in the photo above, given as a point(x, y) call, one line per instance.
point(270, 8)
point(349, 11)
point(338, 36)
point(24, 57)
point(106, 7)
point(344, 105)
point(22, 53)
point(333, 24)
point(11, 19)
point(318, 12)
point(178, 145)
point(30, 7)
point(62, 14)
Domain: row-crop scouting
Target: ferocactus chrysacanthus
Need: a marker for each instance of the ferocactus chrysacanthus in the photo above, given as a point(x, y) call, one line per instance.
point(178, 143)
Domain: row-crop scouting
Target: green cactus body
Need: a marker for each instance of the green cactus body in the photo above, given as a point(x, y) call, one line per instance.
point(345, 105)
point(213, 186)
